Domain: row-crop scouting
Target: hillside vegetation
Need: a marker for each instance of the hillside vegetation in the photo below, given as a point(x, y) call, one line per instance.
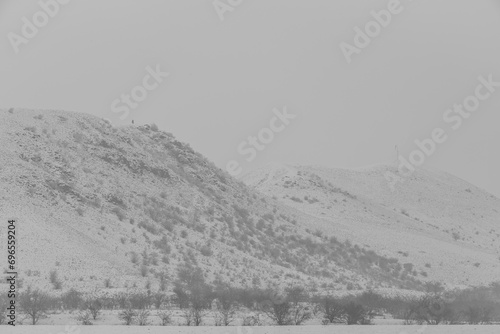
point(433, 220)
point(120, 208)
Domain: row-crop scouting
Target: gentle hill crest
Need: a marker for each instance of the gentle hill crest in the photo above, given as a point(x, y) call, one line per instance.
point(441, 221)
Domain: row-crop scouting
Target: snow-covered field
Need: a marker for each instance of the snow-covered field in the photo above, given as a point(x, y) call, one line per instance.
point(253, 330)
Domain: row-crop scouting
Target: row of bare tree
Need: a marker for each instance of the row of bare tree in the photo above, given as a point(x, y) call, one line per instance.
point(197, 302)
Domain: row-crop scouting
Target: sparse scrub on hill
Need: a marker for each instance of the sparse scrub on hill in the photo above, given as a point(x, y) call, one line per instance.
point(117, 200)
point(78, 137)
point(253, 241)
point(120, 214)
point(144, 270)
point(134, 257)
point(54, 280)
point(456, 236)
point(80, 211)
point(311, 200)
point(163, 245)
point(149, 227)
point(95, 203)
point(107, 283)
point(206, 250)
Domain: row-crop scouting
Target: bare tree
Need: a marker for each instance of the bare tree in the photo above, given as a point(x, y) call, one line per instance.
point(301, 310)
point(72, 299)
point(408, 314)
point(333, 311)
point(194, 316)
point(181, 297)
point(225, 312)
point(165, 317)
point(292, 309)
point(279, 312)
point(128, 316)
point(253, 320)
point(356, 314)
point(158, 299)
point(143, 317)
point(94, 306)
point(476, 314)
point(34, 304)
point(433, 310)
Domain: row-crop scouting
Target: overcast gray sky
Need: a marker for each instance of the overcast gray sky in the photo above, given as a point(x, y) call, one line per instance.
point(225, 77)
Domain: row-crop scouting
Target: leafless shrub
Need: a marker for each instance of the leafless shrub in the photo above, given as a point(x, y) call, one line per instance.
point(143, 317)
point(194, 316)
point(165, 318)
point(224, 313)
point(128, 316)
point(54, 279)
point(158, 299)
point(333, 311)
point(85, 318)
point(253, 320)
point(35, 304)
point(356, 314)
point(94, 306)
point(72, 299)
point(119, 213)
